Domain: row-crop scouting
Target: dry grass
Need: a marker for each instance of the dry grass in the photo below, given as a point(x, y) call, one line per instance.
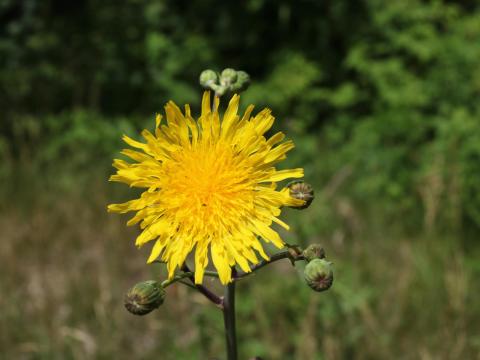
point(65, 265)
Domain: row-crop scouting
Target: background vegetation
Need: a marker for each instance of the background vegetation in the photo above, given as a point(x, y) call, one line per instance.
point(381, 98)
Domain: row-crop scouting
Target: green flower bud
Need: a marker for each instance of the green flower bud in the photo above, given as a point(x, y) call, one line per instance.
point(302, 191)
point(144, 297)
point(219, 89)
point(313, 251)
point(228, 77)
point(208, 78)
point(318, 274)
point(242, 83)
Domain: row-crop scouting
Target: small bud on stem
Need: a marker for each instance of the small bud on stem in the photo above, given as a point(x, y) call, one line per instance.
point(314, 251)
point(144, 297)
point(228, 77)
point(318, 274)
point(242, 83)
point(208, 78)
point(302, 191)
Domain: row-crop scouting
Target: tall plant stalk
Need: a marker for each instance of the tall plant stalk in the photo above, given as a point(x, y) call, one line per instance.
point(229, 321)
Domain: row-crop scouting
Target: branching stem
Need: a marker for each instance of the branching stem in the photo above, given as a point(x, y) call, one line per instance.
point(178, 278)
point(217, 300)
point(287, 254)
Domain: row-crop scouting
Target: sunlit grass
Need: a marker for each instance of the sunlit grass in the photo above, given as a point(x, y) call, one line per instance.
point(65, 265)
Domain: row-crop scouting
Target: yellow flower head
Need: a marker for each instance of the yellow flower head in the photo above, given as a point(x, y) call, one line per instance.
point(210, 185)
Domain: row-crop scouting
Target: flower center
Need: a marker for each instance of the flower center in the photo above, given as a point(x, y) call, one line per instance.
point(211, 184)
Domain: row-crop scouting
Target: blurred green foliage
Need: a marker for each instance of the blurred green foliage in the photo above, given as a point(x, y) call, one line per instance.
point(386, 89)
point(381, 99)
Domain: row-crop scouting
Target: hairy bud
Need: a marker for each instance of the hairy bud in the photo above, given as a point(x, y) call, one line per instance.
point(319, 274)
point(144, 297)
point(228, 77)
point(208, 78)
point(302, 191)
point(313, 251)
point(242, 83)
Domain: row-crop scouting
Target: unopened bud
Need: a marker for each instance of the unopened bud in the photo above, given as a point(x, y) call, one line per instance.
point(242, 83)
point(313, 251)
point(219, 89)
point(228, 77)
point(208, 78)
point(319, 274)
point(144, 297)
point(302, 191)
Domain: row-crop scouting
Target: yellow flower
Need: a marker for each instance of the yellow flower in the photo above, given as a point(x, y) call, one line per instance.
point(210, 185)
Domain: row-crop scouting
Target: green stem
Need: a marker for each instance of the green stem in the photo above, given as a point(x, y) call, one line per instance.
point(184, 282)
point(176, 278)
point(229, 321)
point(205, 291)
point(184, 275)
point(275, 257)
point(293, 254)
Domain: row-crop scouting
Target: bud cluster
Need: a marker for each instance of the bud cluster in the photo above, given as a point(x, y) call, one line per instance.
point(229, 80)
point(318, 272)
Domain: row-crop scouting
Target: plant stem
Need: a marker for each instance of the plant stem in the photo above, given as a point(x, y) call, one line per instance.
point(205, 291)
point(186, 275)
point(229, 298)
point(275, 257)
point(229, 320)
point(187, 284)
